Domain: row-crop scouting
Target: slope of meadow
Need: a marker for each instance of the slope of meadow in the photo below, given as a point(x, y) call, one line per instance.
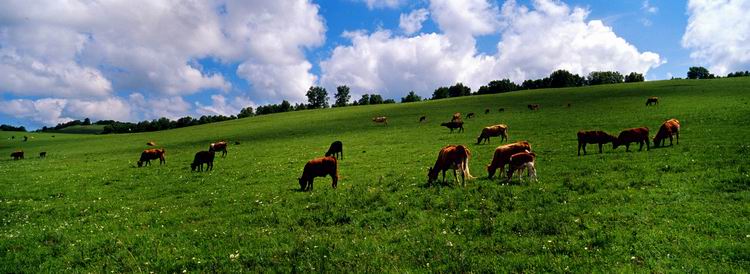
point(86, 208)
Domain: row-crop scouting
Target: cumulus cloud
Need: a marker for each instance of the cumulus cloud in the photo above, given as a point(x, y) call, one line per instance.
point(717, 34)
point(51, 111)
point(535, 41)
point(221, 106)
point(373, 4)
point(647, 7)
point(412, 22)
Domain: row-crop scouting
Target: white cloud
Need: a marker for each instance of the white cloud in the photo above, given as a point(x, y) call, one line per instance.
point(534, 43)
point(412, 22)
point(373, 4)
point(717, 34)
point(220, 106)
point(647, 7)
point(51, 111)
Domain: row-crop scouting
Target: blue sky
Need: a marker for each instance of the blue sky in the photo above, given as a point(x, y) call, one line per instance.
point(135, 60)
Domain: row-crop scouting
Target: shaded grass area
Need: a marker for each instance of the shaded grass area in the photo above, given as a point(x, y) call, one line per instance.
point(682, 208)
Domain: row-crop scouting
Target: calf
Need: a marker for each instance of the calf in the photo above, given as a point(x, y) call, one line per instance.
point(487, 111)
point(203, 157)
point(593, 137)
point(533, 106)
point(43, 154)
point(493, 131)
point(335, 149)
point(451, 157)
point(319, 167)
point(219, 146)
point(152, 154)
point(632, 135)
point(454, 125)
point(456, 117)
point(470, 115)
point(519, 162)
point(502, 156)
point(381, 120)
point(17, 155)
point(422, 119)
point(652, 101)
point(668, 129)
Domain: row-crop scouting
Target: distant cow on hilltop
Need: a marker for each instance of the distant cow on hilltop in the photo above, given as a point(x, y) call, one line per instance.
point(652, 101)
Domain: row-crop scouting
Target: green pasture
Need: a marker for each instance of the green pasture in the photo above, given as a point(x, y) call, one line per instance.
point(685, 208)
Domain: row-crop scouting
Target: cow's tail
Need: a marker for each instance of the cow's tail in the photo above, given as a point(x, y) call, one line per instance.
point(467, 154)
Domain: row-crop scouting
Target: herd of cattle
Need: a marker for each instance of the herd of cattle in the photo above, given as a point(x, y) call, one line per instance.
point(517, 156)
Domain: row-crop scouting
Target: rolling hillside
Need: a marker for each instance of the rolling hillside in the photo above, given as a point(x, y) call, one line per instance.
point(87, 208)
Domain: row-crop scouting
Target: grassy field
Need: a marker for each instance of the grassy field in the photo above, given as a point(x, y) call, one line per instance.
point(90, 129)
point(686, 208)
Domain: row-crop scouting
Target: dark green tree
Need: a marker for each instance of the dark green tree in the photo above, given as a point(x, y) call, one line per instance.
point(376, 99)
point(365, 100)
point(86, 122)
point(246, 112)
point(440, 93)
point(459, 90)
point(604, 77)
point(285, 106)
point(562, 78)
point(342, 96)
point(411, 97)
point(317, 97)
point(634, 77)
point(498, 86)
point(698, 73)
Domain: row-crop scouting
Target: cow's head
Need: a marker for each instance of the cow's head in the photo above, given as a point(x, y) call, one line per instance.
point(302, 183)
point(140, 163)
point(490, 171)
point(193, 166)
point(432, 175)
point(615, 143)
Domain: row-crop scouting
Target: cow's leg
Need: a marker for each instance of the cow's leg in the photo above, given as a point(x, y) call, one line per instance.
point(579, 149)
point(627, 147)
point(678, 137)
point(335, 180)
point(310, 184)
point(648, 144)
point(600, 148)
point(670, 140)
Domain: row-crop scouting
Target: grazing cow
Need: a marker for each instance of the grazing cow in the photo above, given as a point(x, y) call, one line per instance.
point(502, 156)
point(632, 135)
point(487, 111)
point(453, 125)
point(43, 154)
point(501, 109)
point(533, 106)
point(668, 129)
point(593, 137)
point(203, 157)
point(152, 154)
point(236, 142)
point(568, 104)
point(335, 149)
point(493, 131)
point(422, 119)
point(456, 117)
point(219, 146)
point(381, 120)
point(25, 138)
point(519, 162)
point(451, 157)
point(17, 155)
point(470, 115)
point(319, 167)
point(652, 101)
point(151, 143)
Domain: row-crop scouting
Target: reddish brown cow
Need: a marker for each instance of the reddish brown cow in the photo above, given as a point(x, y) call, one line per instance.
point(17, 155)
point(454, 125)
point(493, 131)
point(451, 157)
point(502, 156)
point(470, 115)
point(152, 154)
point(593, 137)
point(456, 117)
point(519, 162)
point(632, 135)
point(668, 129)
point(219, 146)
point(203, 157)
point(381, 120)
point(533, 106)
point(652, 101)
point(319, 167)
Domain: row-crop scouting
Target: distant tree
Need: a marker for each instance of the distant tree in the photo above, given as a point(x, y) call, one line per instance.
point(562, 78)
point(698, 73)
point(498, 86)
point(634, 77)
point(299, 106)
point(440, 93)
point(376, 99)
point(459, 90)
point(86, 122)
point(739, 74)
point(317, 97)
point(365, 100)
point(285, 106)
point(246, 112)
point(604, 77)
point(537, 84)
point(411, 97)
point(5, 127)
point(342, 96)
point(389, 101)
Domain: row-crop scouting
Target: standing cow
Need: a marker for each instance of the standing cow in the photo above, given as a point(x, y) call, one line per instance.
point(593, 137)
point(17, 155)
point(219, 146)
point(380, 120)
point(152, 154)
point(652, 101)
point(502, 155)
point(493, 131)
point(632, 135)
point(451, 157)
point(203, 157)
point(519, 162)
point(319, 167)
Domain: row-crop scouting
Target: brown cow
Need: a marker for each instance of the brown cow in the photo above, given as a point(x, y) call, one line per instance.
point(668, 129)
point(502, 156)
point(533, 106)
point(219, 146)
point(454, 125)
point(519, 162)
point(470, 115)
point(43, 154)
point(335, 149)
point(319, 167)
point(451, 157)
point(487, 111)
point(456, 117)
point(652, 101)
point(593, 137)
point(152, 154)
point(17, 155)
point(203, 157)
point(493, 131)
point(381, 120)
point(632, 135)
